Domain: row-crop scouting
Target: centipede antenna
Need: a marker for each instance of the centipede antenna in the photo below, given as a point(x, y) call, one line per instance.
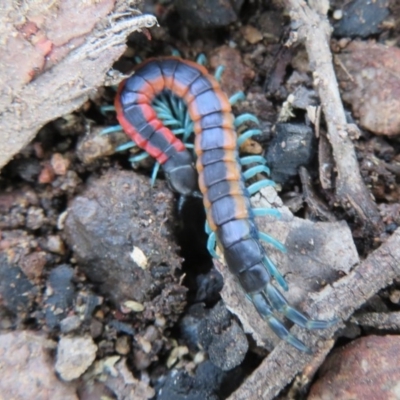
point(270, 240)
point(273, 271)
point(248, 134)
point(257, 186)
point(218, 72)
point(252, 160)
point(261, 212)
point(111, 129)
point(125, 146)
point(154, 173)
point(256, 170)
point(241, 119)
point(238, 96)
point(201, 59)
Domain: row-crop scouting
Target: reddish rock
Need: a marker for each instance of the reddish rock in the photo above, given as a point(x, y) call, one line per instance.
point(59, 163)
point(235, 72)
point(367, 369)
point(369, 77)
point(27, 370)
point(74, 356)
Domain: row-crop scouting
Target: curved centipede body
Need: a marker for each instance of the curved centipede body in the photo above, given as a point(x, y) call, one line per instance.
point(220, 178)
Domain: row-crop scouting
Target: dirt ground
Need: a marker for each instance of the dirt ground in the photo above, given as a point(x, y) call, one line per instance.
point(107, 289)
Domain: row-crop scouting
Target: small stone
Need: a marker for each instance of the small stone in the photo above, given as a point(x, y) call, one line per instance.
point(122, 345)
point(139, 257)
point(176, 354)
point(33, 264)
point(70, 324)
point(46, 174)
point(96, 328)
point(134, 306)
point(208, 13)
point(94, 146)
point(141, 360)
point(293, 146)
point(394, 296)
point(59, 164)
point(35, 218)
point(251, 34)
point(55, 244)
point(74, 356)
point(144, 344)
point(160, 321)
point(125, 386)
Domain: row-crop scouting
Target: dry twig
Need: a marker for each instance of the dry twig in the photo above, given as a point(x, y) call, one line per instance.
point(342, 299)
point(311, 26)
point(66, 86)
point(378, 320)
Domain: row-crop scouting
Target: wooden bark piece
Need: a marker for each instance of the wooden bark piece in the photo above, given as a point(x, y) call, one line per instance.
point(54, 55)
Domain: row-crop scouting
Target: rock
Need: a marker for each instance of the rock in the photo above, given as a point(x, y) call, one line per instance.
point(361, 18)
point(70, 324)
point(189, 324)
point(74, 356)
point(59, 163)
point(122, 345)
point(367, 369)
point(94, 145)
point(178, 385)
point(60, 294)
point(35, 218)
point(27, 169)
point(292, 146)
point(126, 386)
point(208, 13)
point(33, 264)
point(235, 73)
point(251, 34)
point(369, 78)
point(55, 245)
point(27, 369)
point(17, 293)
point(115, 214)
point(208, 286)
point(222, 338)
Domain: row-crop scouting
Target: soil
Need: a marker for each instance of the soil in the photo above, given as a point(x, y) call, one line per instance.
point(95, 257)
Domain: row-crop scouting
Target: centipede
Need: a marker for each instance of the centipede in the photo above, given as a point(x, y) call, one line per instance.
point(216, 175)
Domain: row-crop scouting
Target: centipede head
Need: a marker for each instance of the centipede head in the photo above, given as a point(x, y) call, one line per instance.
point(183, 180)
